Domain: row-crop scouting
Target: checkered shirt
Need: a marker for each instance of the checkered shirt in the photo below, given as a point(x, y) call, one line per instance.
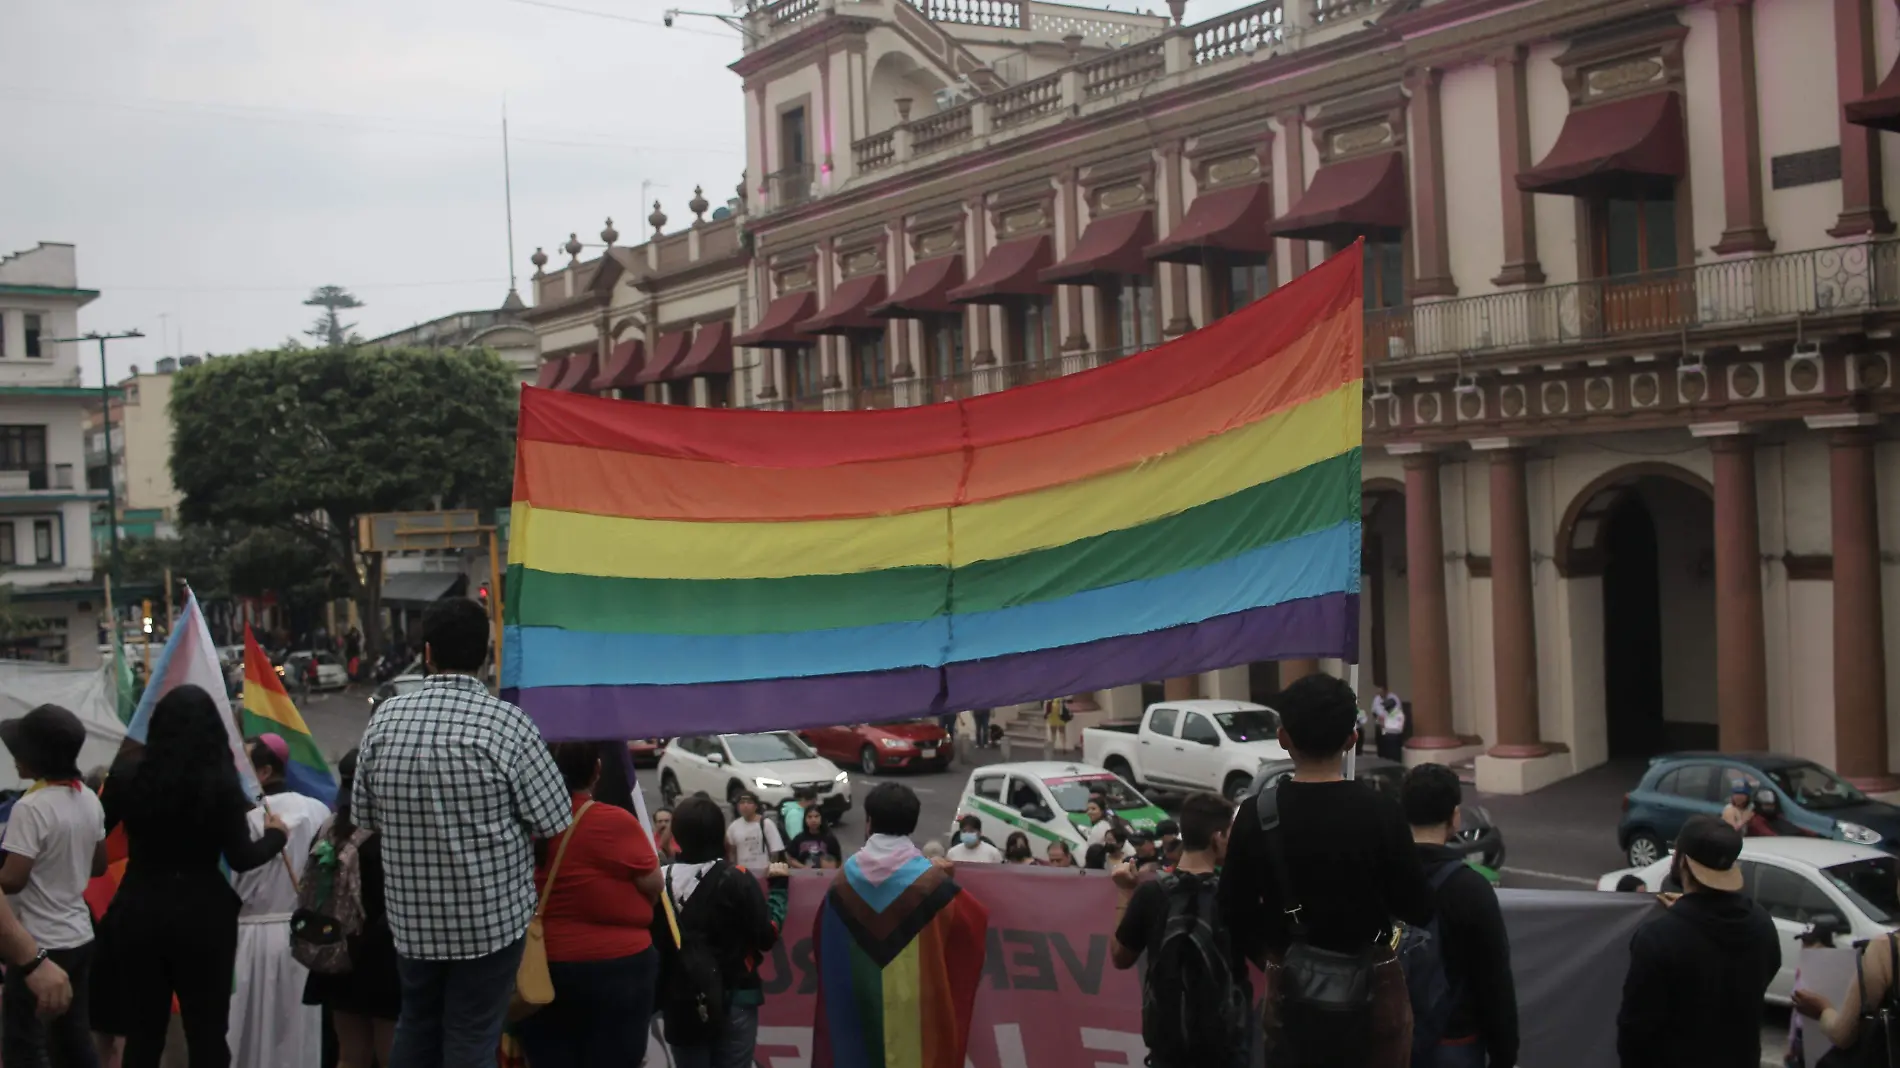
point(457, 783)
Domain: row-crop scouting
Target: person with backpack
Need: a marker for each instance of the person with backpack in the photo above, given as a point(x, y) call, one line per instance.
point(1458, 967)
point(341, 933)
point(1195, 997)
point(714, 928)
point(1317, 870)
point(753, 842)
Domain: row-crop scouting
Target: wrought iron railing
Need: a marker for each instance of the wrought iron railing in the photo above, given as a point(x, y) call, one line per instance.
point(790, 186)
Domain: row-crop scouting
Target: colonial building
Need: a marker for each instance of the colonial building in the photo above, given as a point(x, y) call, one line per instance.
point(1630, 300)
point(500, 329)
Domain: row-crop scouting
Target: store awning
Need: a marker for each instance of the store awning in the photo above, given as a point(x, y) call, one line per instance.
point(1879, 109)
point(778, 329)
point(711, 353)
point(1363, 197)
point(925, 290)
point(419, 588)
point(1010, 270)
point(1622, 148)
point(1230, 224)
point(849, 310)
point(578, 376)
point(668, 353)
point(623, 366)
point(551, 370)
point(1110, 248)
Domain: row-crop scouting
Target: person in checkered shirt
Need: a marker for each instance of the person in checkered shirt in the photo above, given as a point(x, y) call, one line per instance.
point(458, 784)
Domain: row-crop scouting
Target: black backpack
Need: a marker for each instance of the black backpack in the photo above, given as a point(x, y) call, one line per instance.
point(1325, 1008)
point(1193, 1008)
point(692, 988)
point(1433, 996)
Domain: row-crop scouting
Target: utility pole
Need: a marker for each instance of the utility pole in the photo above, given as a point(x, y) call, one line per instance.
point(105, 412)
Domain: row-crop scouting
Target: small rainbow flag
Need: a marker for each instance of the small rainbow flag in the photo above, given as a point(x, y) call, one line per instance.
point(268, 710)
point(679, 570)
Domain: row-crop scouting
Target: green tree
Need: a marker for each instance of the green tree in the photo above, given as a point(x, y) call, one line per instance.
point(305, 442)
point(329, 329)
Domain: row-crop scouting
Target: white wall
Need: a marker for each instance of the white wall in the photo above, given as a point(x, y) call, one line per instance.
point(1473, 181)
point(1702, 103)
point(1548, 102)
point(1799, 111)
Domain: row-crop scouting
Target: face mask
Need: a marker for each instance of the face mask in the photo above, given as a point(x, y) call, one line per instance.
point(969, 839)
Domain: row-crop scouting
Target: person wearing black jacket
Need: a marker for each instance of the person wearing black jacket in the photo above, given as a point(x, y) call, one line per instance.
point(1482, 1028)
point(1699, 970)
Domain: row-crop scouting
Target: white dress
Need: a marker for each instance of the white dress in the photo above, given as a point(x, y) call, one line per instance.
point(270, 1026)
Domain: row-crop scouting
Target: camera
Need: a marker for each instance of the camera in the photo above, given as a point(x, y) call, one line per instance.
point(667, 15)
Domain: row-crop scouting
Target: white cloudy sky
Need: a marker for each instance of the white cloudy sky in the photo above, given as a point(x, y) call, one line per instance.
point(214, 160)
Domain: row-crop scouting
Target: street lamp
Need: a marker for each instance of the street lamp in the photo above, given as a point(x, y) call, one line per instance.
point(105, 413)
point(673, 14)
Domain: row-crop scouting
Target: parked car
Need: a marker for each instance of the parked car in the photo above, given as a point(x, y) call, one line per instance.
point(1212, 746)
point(771, 764)
point(395, 687)
point(1049, 800)
point(1478, 836)
point(646, 752)
point(878, 747)
point(331, 674)
point(1813, 798)
point(1802, 883)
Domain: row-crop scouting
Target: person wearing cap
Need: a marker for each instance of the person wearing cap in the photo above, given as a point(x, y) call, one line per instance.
point(1768, 821)
point(54, 847)
point(1737, 812)
point(1699, 969)
point(270, 1024)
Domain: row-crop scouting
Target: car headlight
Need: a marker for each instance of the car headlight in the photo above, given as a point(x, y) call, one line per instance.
point(764, 782)
point(1854, 832)
point(843, 779)
point(893, 743)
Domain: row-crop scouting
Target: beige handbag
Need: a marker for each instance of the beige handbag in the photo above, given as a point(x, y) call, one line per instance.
point(533, 986)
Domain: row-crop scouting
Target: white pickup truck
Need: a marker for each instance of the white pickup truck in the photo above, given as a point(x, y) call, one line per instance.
point(1212, 746)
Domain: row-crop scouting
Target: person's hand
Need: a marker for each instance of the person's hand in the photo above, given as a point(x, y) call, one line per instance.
point(1668, 899)
point(777, 870)
point(1810, 1004)
point(274, 822)
point(1125, 875)
point(949, 867)
point(51, 989)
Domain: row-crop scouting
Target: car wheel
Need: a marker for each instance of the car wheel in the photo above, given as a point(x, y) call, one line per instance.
point(1118, 767)
point(669, 790)
point(1645, 849)
point(867, 760)
point(1236, 785)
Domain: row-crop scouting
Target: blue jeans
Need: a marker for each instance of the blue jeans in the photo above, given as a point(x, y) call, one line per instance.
point(733, 1049)
point(453, 1010)
point(599, 1015)
point(1463, 1055)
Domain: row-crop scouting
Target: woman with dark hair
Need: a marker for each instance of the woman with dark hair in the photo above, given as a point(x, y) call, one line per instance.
point(364, 1001)
point(172, 927)
point(814, 845)
point(1016, 849)
point(597, 883)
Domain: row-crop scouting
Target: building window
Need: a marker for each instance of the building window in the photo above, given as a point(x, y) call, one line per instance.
point(23, 448)
point(1131, 316)
point(808, 379)
point(943, 346)
point(1234, 286)
point(1634, 236)
point(6, 544)
point(1031, 326)
point(868, 369)
point(1385, 273)
point(794, 177)
point(42, 541)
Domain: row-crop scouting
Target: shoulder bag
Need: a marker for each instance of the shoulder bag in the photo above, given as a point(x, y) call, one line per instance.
point(1877, 1043)
point(533, 986)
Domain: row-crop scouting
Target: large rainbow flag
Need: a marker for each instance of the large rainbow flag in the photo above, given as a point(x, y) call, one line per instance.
point(269, 710)
point(680, 570)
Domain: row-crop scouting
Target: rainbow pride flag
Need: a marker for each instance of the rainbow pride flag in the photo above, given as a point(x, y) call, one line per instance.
point(679, 570)
point(268, 710)
point(191, 658)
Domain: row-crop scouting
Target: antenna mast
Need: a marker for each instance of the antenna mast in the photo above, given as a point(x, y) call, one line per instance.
point(508, 193)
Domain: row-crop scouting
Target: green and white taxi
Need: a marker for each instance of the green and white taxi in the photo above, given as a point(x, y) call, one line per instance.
point(1048, 799)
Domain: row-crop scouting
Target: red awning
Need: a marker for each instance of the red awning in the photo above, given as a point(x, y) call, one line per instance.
point(1110, 248)
point(623, 366)
point(849, 311)
point(1879, 109)
point(777, 330)
point(1624, 147)
point(668, 353)
point(711, 353)
point(551, 371)
point(925, 290)
point(578, 376)
point(1009, 270)
point(1363, 197)
point(1230, 224)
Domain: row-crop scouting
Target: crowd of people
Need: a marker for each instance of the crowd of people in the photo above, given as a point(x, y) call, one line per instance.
point(466, 853)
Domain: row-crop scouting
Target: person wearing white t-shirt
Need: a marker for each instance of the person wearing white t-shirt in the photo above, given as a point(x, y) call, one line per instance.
point(752, 841)
point(970, 848)
point(53, 848)
point(1390, 712)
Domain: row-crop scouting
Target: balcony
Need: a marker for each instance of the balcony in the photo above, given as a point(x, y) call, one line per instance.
point(914, 391)
point(790, 186)
point(44, 477)
point(1727, 293)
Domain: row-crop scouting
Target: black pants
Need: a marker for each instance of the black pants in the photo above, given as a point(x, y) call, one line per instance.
point(27, 1041)
point(171, 933)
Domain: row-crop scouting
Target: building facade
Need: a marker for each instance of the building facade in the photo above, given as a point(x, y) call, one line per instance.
point(500, 329)
point(46, 553)
point(1631, 288)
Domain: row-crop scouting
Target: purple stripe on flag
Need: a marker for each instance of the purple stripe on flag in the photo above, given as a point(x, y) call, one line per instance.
point(1312, 627)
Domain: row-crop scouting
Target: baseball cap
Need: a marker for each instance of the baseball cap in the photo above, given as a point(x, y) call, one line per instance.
point(1738, 789)
point(1710, 848)
point(48, 738)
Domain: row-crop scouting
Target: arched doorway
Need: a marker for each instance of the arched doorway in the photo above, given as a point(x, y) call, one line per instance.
point(1647, 533)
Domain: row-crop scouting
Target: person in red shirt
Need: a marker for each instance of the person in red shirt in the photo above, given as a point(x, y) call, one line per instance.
point(596, 924)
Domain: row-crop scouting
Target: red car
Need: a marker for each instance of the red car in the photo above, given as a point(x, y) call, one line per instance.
point(878, 747)
point(646, 751)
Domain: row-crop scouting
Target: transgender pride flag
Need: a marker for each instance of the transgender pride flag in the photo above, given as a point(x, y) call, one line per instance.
point(190, 658)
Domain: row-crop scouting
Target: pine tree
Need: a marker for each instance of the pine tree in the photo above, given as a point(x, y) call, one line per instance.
point(329, 329)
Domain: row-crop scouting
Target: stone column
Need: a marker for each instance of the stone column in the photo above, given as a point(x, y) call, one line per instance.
point(1860, 669)
point(1741, 673)
point(1741, 130)
point(1425, 586)
point(1430, 240)
point(1173, 203)
point(1077, 339)
point(1513, 616)
point(1514, 154)
point(1863, 205)
point(1293, 126)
